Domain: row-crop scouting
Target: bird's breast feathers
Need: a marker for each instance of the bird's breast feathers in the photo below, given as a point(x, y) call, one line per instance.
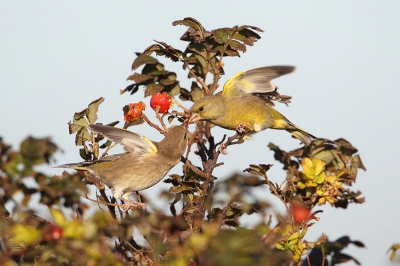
point(248, 110)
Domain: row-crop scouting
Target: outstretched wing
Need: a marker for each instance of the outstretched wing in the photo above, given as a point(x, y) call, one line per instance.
point(256, 80)
point(132, 142)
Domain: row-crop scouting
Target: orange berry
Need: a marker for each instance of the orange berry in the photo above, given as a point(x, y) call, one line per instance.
point(134, 111)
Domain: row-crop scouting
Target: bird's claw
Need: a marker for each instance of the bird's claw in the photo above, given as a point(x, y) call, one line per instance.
point(242, 128)
point(131, 203)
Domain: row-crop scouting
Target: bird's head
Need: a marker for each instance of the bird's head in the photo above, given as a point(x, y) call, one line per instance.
point(175, 142)
point(207, 108)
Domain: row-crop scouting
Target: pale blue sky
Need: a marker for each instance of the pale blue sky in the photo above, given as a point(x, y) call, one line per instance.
point(56, 57)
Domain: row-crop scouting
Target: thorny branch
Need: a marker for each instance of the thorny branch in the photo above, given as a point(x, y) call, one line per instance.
point(152, 124)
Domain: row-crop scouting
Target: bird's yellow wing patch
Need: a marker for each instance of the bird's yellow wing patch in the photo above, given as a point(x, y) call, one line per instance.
point(230, 86)
point(256, 80)
point(132, 141)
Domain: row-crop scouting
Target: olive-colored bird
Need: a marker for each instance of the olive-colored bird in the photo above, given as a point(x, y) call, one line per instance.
point(143, 165)
point(243, 104)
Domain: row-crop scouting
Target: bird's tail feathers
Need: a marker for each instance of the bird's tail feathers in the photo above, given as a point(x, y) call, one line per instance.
point(76, 166)
point(302, 135)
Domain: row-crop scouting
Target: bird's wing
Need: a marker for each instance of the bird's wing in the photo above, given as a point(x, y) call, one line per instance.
point(109, 158)
point(85, 166)
point(133, 142)
point(255, 81)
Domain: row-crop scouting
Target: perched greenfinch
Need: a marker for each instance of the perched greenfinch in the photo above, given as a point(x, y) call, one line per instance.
point(242, 104)
point(143, 165)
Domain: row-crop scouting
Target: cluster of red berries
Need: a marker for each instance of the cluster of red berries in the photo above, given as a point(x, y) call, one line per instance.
point(158, 100)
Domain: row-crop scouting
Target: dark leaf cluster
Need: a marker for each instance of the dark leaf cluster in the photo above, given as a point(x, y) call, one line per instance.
point(330, 253)
point(203, 55)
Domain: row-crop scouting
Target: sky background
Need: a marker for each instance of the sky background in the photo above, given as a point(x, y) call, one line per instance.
point(57, 57)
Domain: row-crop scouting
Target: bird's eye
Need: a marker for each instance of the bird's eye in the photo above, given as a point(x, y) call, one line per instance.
point(201, 109)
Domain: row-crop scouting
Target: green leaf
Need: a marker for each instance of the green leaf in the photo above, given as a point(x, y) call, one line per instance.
point(197, 48)
point(175, 89)
point(202, 61)
point(169, 52)
point(193, 23)
point(235, 45)
point(222, 35)
point(78, 122)
point(140, 78)
point(345, 147)
point(85, 155)
point(356, 161)
point(154, 70)
point(136, 122)
point(171, 76)
point(152, 48)
point(33, 148)
point(93, 108)
point(232, 212)
point(167, 82)
point(153, 88)
point(82, 119)
point(260, 169)
point(250, 35)
point(179, 189)
point(196, 92)
point(142, 60)
point(245, 27)
point(325, 156)
point(82, 136)
point(197, 70)
point(184, 95)
point(133, 88)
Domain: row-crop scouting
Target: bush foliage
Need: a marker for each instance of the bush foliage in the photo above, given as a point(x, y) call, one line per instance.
point(202, 226)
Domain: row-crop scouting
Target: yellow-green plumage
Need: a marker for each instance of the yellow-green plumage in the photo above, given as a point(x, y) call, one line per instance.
point(236, 104)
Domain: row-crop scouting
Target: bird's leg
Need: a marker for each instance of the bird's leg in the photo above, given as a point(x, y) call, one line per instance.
point(131, 203)
point(242, 128)
point(127, 203)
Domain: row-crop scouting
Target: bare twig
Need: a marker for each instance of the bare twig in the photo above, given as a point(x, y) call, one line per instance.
point(99, 201)
point(152, 124)
point(105, 153)
point(193, 168)
point(223, 146)
point(221, 218)
point(179, 104)
point(323, 254)
point(160, 118)
point(205, 87)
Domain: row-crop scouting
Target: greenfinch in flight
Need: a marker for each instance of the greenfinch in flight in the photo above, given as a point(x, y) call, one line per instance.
point(242, 104)
point(143, 165)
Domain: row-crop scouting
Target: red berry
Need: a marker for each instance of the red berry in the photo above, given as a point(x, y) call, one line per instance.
point(162, 100)
point(300, 214)
point(51, 232)
point(57, 232)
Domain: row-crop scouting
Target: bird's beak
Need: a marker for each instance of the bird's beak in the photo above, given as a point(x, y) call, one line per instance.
point(194, 118)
